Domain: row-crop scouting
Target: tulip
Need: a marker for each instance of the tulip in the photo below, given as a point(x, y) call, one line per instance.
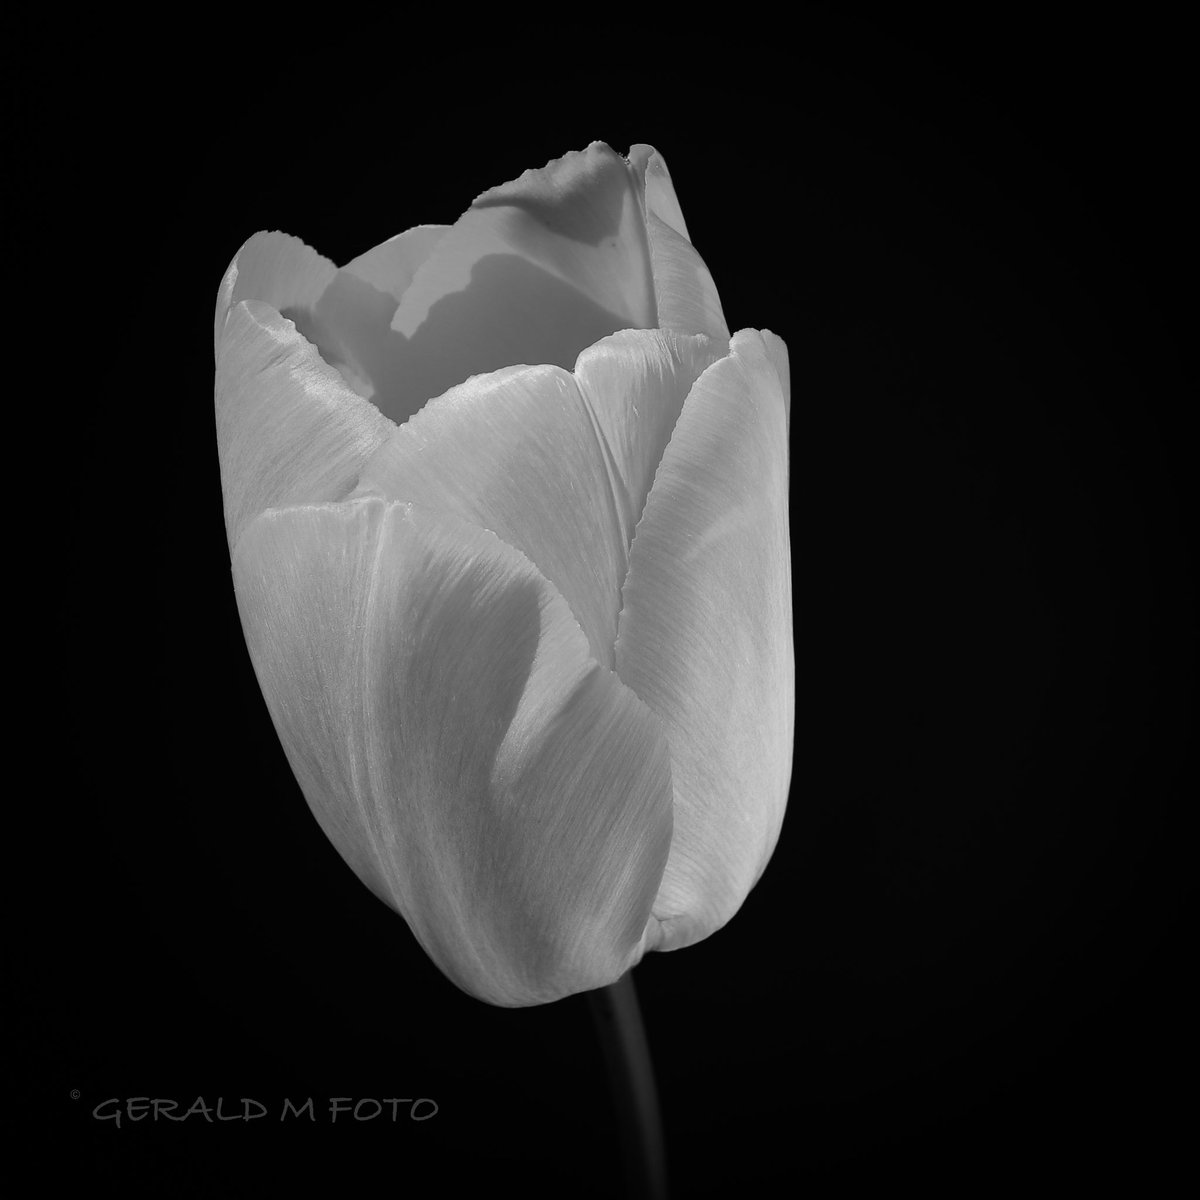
point(524, 631)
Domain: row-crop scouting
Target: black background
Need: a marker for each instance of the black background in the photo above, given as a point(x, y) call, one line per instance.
point(967, 963)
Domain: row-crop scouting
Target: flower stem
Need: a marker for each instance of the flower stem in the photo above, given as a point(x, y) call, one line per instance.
point(631, 1076)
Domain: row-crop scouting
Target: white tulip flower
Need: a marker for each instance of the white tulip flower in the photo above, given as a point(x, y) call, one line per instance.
point(525, 631)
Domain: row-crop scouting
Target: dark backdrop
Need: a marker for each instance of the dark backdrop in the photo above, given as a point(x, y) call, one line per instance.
point(966, 963)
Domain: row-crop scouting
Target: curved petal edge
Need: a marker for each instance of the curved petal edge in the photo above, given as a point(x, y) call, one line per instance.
point(453, 737)
point(705, 636)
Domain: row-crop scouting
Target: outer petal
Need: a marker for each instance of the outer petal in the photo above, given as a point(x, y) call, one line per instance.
point(706, 635)
point(557, 465)
point(635, 383)
point(436, 700)
point(778, 354)
point(685, 295)
point(289, 430)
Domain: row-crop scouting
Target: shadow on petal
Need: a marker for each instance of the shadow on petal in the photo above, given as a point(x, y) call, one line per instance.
point(511, 312)
point(585, 208)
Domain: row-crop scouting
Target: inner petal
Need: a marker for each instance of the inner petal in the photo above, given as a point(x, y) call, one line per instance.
point(511, 312)
point(533, 273)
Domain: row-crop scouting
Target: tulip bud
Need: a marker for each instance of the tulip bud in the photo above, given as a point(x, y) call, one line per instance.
point(524, 631)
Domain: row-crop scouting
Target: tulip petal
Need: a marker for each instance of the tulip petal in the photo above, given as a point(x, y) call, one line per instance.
point(391, 265)
point(578, 217)
point(778, 354)
point(436, 700)
point(686, 298)
point(706, 635)
point(557, 465)
point(279, 270)
point(635, 383)
point(351, 322)
point(289, 430)
point(658, 192)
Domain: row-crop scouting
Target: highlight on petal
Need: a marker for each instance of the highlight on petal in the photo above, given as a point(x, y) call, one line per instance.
point(778, 354)
point(289, 430)
point(436, 700)
point(706, 635)
point(686, 298)
point(556, 464)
